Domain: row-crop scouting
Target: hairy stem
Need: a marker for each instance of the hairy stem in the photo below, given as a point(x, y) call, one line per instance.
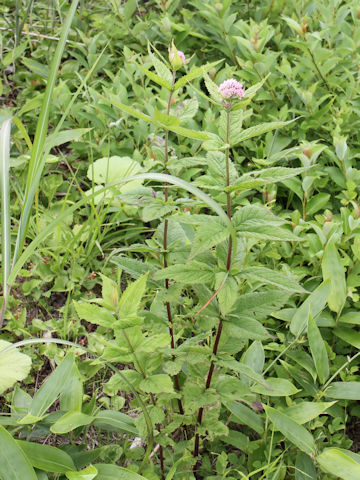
point(167, 304)
point(228, 266)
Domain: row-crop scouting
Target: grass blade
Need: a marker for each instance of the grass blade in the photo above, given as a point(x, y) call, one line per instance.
point(37, 159)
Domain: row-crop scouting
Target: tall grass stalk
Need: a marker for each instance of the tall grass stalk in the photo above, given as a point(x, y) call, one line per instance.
point(5, 209)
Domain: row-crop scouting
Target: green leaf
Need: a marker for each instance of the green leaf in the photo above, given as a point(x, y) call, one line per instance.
point(130, 110)
point(14, 54)
point(341, 463)
point(258, 178)
point(165, 120)
point(51, 388)
point(14, 366)
point(334, 271)
point(155, 78)
point(45, 457)
point(304, 467)
point(228, 293)
point(277, 387)
point(318, 350)
point(317, 202)
point(87, 473)
point(14, 464)
point(246, 371)
point(95, 314)
point(112, 472)
point(161, 69)
point(349, 335)
point(115, 421)
point(130, 300)
point(129, 9)
point(195, 73)
point(272, 277)
point(295, 433)
point(186, 132)
point(159, 383)
point(191, 272)
point(343, 390)
point(70, 421)
point(304, 412)
point(314, 304)
point(208, 235)
point(113, 169)
point(65, 136)
point(245, 416)
point(258, 130)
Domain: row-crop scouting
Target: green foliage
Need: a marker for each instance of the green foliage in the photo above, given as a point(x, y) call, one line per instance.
point(202, 252)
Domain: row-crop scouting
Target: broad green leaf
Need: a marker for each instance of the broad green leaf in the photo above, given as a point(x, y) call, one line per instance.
point(351, 317)
point(341, 463)
point(228, 293)
point(244, 327)
point(130, 110)
point(254, 357)
point(109, 291)
point(277, 387)
point(258, 130)
point(159, 383)
point(295, 433)
point(51, 389)
point(112, 169)
point(191, 272)
point(258, 178)
point(304, 412)
point(246, 371)
point(14, 54)
point(349, 335)
point(112, 472)
point(95, 314)
point(314, 304)
point(333, 270)
point(195, 73)
point(166, 120)
point(87, 473)
point(14, 464)
point(45, 457)
point(70, 421)
point(272, 277)
point(130, 300)
point(209, 235)
point(71, 398)
point(161, 69)
point(344, 390)
point(155, 78)
point(186, 132)
point(245, 416)
point(129, 9)
point(318, 350)
point(115, 421)
point(317, 202)
point(14, 366)
point(260, 304)
point(304, 467)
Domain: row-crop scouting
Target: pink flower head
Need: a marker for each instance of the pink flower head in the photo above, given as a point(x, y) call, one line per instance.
point(181, 55)
point(231, 88)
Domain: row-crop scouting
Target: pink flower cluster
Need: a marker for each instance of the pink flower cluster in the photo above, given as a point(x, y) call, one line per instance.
point(231, 87)
point(181, 55)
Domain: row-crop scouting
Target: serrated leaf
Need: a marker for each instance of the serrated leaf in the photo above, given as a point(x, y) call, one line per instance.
point(295, 433)
point(130, 110)
point(191, 272)
point(155, 78)
point(258, 130)
point(95, 314)
point(195, 73)
point(209, 235)
point(186, 132)
point(129, 303)
point(272, 277)
point(160, 383)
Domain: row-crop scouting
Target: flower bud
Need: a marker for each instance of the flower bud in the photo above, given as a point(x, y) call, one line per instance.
point(176, 57)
